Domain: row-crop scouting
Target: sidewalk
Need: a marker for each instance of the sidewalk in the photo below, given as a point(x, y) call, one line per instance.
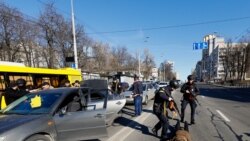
point(228, 86)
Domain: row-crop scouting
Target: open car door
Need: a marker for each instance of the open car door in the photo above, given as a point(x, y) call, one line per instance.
point(81, 124)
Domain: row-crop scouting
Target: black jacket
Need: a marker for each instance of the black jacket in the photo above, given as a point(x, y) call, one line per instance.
point(137, 87)
point(161, 95)
point(12, 95)
point(192, 88)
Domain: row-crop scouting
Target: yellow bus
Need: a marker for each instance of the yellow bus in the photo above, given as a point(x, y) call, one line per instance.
point(10, 72)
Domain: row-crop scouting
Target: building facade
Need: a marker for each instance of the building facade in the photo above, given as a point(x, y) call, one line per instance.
point(212, 66)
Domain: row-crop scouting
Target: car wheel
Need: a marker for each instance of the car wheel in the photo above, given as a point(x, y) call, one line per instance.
point(39, 138)
point(146, 100)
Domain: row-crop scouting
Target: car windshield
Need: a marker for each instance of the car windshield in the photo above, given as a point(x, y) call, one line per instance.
point(33, 104)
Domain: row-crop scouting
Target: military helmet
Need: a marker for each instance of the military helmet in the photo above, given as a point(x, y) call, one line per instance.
point(173, 84)
point(21, 82)
point(190, 77)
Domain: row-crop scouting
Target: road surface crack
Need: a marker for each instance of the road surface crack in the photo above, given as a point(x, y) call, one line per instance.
point(213, 116)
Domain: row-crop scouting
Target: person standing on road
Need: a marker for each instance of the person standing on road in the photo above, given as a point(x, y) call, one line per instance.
point(116, 87)
point(161, 103)
point(190, 91)
point(137, 92)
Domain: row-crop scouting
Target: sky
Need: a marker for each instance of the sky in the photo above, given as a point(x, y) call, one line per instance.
point(167, 28)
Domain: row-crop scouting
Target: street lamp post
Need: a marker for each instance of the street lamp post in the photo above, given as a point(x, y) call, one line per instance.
point(74, 36)
point(139, 65)
point(164, 72)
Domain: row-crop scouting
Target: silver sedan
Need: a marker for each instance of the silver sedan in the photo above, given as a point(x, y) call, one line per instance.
point(54, 115)
point(148, 93)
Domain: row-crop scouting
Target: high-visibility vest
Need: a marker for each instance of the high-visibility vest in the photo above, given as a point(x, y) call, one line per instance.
point(165, 112)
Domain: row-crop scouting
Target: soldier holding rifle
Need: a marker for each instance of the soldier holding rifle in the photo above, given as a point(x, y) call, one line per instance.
point(190, 91)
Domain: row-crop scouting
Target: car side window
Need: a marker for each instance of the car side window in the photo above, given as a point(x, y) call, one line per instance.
point(72, 103)
point(96, 96)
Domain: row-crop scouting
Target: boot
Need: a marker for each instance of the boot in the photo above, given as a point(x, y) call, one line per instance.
point(182, 120)
point(155, 132)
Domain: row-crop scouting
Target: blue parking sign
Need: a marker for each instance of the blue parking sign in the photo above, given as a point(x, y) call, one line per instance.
point(205, 45)
point(195, 46)
point(200, 45)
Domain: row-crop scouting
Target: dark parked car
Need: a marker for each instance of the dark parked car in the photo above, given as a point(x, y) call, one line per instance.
point(62, 114)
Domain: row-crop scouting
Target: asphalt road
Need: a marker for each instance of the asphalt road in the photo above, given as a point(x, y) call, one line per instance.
point(223, 115)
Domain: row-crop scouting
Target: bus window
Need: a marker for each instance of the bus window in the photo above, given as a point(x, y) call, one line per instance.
point(55, 81)
point(28, 79)
point(2, 84)
point(34, 77)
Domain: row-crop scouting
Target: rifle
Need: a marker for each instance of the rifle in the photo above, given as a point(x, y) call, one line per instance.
point(193, 94)
point(173, 106)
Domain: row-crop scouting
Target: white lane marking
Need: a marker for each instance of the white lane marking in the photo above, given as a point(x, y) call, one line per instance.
point(126, 131)
point(223, 116)
point(237, 96)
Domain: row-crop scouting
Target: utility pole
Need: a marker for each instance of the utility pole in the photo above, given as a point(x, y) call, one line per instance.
point(164, 78)
point(139, 62)
point(74, 35)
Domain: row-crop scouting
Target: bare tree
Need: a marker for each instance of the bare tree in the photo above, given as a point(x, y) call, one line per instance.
point(84, 48)
point(50, 22)
point(27, 33)
point(148, 64)
point(119, 56)
point(166, 71)
point(246, 67)
point(225, 57)
point(9, 19)
point(100, 52)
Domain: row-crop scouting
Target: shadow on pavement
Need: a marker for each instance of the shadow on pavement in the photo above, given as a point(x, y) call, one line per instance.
point(147, 111)
point(133, 124)
point(127, 113)
point(122, 121)
point(248, 134)
point(127, 108)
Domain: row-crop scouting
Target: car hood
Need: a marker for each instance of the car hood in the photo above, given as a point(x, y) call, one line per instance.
point(8, 122)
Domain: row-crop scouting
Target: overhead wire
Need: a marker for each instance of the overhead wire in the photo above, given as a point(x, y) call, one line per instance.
point(174, 26)
point(35, 20)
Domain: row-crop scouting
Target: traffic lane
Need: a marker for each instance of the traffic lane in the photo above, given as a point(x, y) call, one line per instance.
point(209, 124)
point(140, 128)
point(233, 94)
point(234, 102)
point(126, 121)
point(231, 115)
point(203, 129)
